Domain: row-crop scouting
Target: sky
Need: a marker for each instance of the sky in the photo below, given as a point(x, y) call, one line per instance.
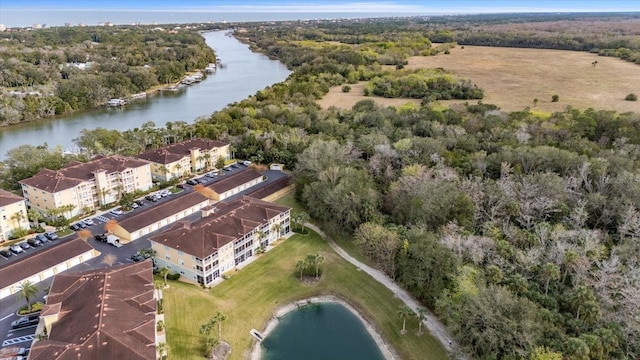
point(391, 6)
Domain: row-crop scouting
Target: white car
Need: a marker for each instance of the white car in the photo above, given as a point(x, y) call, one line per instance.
point(88, 221)
point(116, 212)
point(16, 249)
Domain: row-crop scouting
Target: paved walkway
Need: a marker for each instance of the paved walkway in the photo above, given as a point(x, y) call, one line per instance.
point(431, 322)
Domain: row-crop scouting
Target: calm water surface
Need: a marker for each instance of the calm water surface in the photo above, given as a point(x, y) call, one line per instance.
point(326, 331)
point(244, 73)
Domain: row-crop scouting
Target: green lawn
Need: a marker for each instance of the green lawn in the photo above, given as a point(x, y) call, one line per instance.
point(343, 241)
point(290, 201)
point(250, 297)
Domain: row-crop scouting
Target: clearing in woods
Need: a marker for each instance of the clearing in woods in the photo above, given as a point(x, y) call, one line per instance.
point(513, 77)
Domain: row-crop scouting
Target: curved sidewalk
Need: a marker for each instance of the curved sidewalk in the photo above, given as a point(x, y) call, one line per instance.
point(432, 323)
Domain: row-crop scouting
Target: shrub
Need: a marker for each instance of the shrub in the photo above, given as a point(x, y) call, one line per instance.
point(160, 325)
point(35, 307)
point(159, 306)
point(631, 97)
point(346, 89)
point(175, 276)
point(555, 98)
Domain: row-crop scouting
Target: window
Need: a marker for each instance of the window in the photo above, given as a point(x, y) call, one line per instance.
point(168, 257)
point(180, 252)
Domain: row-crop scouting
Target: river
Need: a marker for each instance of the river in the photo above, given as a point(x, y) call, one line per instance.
point(243, 74)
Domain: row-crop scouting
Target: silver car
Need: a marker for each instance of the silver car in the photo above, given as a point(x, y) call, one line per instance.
point(16, 249)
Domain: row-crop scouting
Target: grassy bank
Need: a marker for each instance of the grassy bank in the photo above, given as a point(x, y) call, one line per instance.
point(250, 297)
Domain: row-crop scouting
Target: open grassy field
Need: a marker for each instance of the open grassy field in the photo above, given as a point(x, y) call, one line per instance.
point(513, 77)
point(251, 295)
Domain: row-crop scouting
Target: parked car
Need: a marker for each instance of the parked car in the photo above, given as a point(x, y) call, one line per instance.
point(246, 163)
point(226, 169)
point(100, 237)
point(150, 198)
point(211, 175)
point(51, 235)
point(139, 202)
point(25, 246)
point(234, 165)
point(16, 249)
point(34, 242)
point(74, 227)
point(43, 239)
point(81, 225)
point(6, 254)
point(134, 205)
point(137, 257)
point(192, 182)
point(88, 222)
point(116, 212)
point(24, 322)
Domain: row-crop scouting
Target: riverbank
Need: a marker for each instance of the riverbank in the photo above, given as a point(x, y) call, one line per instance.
point(385, 348)
point(244, 74)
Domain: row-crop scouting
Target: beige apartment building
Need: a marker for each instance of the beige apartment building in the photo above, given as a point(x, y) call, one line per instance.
point(227, 235)
point(89, 185)
point(189, 156)
point(13, 214)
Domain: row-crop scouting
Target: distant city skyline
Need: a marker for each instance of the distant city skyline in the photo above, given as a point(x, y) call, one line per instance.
point(427, 6)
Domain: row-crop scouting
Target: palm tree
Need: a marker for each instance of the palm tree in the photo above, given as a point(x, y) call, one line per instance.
point(163, 170)
point(219, 318)
point(277, 228)
point(209, 342)
point(261, 235)
point(162, 349)
point(207, 161)
point(549, 271)
point(27, 290)
point(318, 260)
point(17, 218)
point(310, 260)
point(302, 265)
point(34, 215)
point(404, 312)
point(421, 314)
point(164, 272)
point(303, 217)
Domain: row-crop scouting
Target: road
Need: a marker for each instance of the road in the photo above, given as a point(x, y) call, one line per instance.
point(431, 322)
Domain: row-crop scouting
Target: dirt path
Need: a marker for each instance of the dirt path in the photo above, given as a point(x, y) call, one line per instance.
point(431, 322)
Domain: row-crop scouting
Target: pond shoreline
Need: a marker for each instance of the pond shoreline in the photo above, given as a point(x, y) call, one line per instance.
point(387, 352)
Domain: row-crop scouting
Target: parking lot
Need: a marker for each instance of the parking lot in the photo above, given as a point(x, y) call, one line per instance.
point(11, 304)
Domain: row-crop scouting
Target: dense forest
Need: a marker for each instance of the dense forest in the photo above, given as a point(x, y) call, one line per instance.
point(520, 230)
point(58, 70)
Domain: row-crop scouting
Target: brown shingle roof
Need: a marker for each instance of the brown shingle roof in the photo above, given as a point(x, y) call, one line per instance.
point(107, 313)
point(174, 152)
point(41, 260)
point(161, 211)
point(7, 198)
point(75, 173)
point(230, 221)
point(231, 181)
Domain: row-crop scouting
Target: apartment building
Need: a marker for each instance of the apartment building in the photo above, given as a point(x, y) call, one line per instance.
point(13, 214)
point(78, 185)
point(227, 235)
point(189, 156)
point(107, 313)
